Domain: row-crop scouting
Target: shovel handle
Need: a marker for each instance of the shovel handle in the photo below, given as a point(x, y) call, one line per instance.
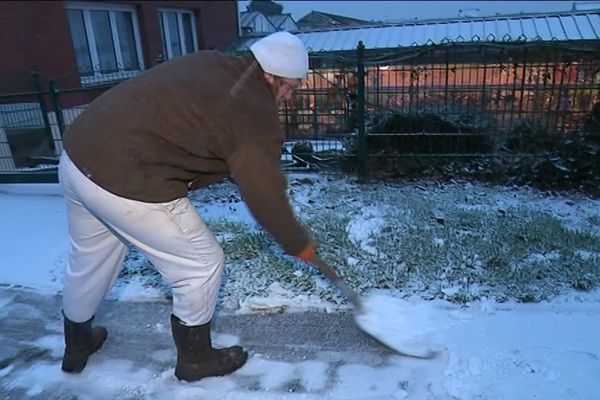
point(335, 278)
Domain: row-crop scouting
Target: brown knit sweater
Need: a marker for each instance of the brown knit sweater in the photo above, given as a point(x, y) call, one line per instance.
point(185, 124)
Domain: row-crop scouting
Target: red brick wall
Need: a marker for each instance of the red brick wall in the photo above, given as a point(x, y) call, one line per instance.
point(36, 37)
point(216, 24)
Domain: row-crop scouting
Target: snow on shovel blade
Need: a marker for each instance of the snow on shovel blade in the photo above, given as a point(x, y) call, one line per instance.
point(405, 328)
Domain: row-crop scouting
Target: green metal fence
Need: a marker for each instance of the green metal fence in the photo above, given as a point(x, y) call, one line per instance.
point(452, 100)
point(32, 124)
point(457, 90)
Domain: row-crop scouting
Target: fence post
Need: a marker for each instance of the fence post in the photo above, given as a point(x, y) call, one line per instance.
point(360, 111)
point(37, 84)
point(56, 106)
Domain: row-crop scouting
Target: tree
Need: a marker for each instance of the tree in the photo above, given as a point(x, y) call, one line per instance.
point(267, 7)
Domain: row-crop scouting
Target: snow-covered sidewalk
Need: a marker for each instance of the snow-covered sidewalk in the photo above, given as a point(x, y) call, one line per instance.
point(492, 351)
point(544, 351)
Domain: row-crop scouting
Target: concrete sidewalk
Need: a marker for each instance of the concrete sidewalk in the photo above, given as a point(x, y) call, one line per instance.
point(493, 351)
point(139, 334)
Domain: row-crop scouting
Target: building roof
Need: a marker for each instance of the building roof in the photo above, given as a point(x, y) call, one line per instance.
point(248, 17)
point(559, 26)
point(318, 19)
point(279, 19)
point(275, 22)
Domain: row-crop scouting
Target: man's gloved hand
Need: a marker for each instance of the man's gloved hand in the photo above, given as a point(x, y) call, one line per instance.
point(309, 254)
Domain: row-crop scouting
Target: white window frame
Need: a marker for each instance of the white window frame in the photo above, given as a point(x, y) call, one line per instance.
point(99, 77)
point(164, 24)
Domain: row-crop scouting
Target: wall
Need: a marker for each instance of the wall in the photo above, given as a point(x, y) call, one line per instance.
point(35, 37)
point(216, 24)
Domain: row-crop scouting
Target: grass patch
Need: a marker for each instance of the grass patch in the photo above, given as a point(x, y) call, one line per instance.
point(451, 243)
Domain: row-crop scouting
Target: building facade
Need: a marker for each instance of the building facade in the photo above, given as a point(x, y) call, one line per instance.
point(88, 43)
point(57, 56)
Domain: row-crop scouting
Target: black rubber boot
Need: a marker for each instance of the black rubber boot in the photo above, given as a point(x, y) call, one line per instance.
point(196, 358)
point(80, 342)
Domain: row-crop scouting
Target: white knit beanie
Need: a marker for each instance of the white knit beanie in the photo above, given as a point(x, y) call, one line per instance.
point(281, 54)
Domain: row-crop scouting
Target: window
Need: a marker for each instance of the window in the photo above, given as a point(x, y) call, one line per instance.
point(178, 33)
point(106, 41)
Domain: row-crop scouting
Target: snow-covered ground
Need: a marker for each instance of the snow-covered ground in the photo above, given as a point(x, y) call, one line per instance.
point(509, 275)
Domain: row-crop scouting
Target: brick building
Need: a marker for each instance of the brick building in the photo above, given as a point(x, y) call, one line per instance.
point(86, 43)
point(57, 56)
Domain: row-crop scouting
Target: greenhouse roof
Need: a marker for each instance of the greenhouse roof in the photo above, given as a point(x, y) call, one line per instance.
point(546, 27)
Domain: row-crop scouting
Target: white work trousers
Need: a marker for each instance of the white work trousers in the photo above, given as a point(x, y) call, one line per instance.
point(171, 235)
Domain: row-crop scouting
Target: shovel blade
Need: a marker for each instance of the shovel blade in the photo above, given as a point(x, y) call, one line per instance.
point(405, 328)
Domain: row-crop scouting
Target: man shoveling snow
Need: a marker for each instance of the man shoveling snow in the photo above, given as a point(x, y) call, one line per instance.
point(128, 163)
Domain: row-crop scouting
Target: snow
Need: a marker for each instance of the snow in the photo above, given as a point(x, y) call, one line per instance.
point(408, 328)
point(364, 227)
point(488, 349)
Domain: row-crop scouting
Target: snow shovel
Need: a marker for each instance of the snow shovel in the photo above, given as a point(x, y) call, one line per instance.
point(383, 318)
